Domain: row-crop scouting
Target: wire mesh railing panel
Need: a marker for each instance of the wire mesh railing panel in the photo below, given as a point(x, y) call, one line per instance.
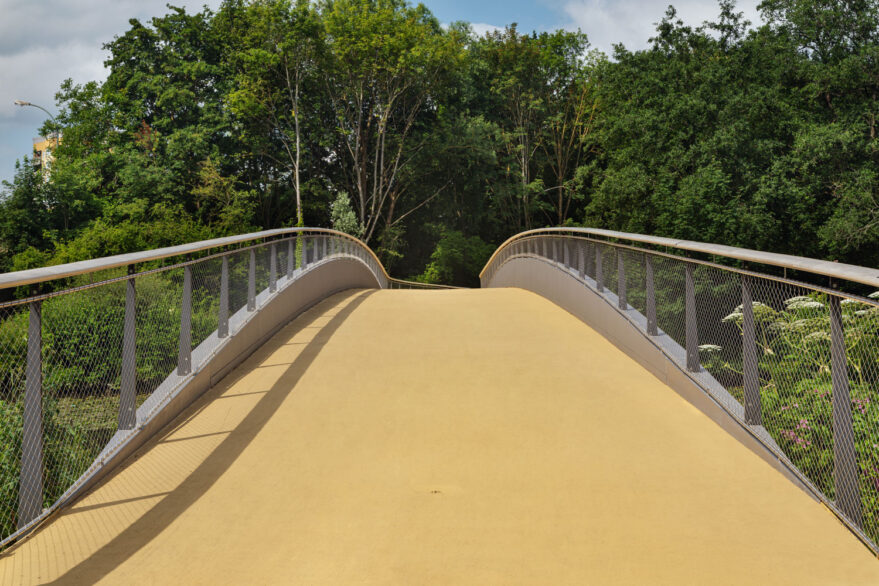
point(792, 331)
point(13, 356)
point(861, 323)
point(157, 327)
point(239, 267)
point(670, 291)
point(609, 268)
point(636, 279)
point(718, 295)
point(206, 282)
point(82, 358)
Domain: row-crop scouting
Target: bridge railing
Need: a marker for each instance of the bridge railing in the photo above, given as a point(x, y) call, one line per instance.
point(86, 348)
point(788, 346)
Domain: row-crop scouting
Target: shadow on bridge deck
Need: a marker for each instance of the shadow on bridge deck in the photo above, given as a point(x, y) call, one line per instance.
point(447, 437)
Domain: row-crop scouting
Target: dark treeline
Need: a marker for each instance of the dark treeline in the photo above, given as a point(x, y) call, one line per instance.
point(434, 145)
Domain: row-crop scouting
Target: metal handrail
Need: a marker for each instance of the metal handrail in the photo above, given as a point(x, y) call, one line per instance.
point(50, 273)
point(857, 274)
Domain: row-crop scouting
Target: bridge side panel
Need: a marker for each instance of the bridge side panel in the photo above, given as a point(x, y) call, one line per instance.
point(565, 289)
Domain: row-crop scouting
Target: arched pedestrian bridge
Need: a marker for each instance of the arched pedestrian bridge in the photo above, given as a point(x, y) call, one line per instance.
point(274, 408)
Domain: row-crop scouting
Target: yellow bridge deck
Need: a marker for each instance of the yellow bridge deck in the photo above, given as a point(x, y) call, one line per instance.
point(442, 437)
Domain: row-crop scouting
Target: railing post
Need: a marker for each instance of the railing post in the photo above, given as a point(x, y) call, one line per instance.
point(127, 376)
point(291, 259)
point(324, 253)
point(30, 488)
point(753, 408)
point(690, 319)
point(273, 267)
point(621, 279)
point(845, 464)
point(566, 247)
point(599, 273)
point(184, 353)
point(652, 328)
point(223, 317)
point(251, 281)
point(545, 247)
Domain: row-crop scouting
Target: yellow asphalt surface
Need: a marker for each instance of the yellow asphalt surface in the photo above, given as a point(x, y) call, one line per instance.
point(442, 437)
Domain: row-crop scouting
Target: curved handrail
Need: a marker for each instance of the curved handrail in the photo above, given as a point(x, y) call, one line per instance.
point(50, 273)
point(857, 274)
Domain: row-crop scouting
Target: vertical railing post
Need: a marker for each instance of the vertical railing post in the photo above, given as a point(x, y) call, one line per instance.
point(304, 242)
point(545, 247)
point(324, 253)
point(599, 273)
point(845, 462)
point(751, 383)
point(184, 353)
point(30, 488)
point(621, 279)
point(291, 258)
point(223, 316)
point(127, 374)
point(652, 327)
point(567, 248)
point(692, 333)
point(251, 281)
point(273, 267)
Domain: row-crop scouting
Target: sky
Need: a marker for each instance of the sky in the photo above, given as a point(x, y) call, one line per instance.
point(44, 42)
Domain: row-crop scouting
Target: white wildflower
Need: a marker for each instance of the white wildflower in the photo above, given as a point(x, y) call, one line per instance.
point(803, 304)
point(734, 316)
point(874, 295)
point(819, 336)
point(710, 348)
point(850, 302)
point(796, 299)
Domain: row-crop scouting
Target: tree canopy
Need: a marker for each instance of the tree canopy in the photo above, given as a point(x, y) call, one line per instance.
point(434, 144)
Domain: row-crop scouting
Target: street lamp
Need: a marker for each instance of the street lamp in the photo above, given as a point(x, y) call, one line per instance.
point(24, 103)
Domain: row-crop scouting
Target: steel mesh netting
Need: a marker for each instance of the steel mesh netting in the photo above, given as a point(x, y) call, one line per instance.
point(263, 259)
point(861, 326)
point(792, 331)
point(670, 290)
point(719, 295)
point(609, 269)
point(239, 267)
point(157, 327)
point(636, 279)
point(206, 277)
point(13, 353)
point(284, 255)
point(82, 360)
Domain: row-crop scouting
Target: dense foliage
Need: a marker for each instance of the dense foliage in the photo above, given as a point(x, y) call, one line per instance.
point(434, 144)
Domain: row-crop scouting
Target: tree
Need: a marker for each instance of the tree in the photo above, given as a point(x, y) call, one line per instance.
point(276, 64)
point(387, 61)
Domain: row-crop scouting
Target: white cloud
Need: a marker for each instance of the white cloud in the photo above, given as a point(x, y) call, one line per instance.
point(632, 22)
point(480, 28)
